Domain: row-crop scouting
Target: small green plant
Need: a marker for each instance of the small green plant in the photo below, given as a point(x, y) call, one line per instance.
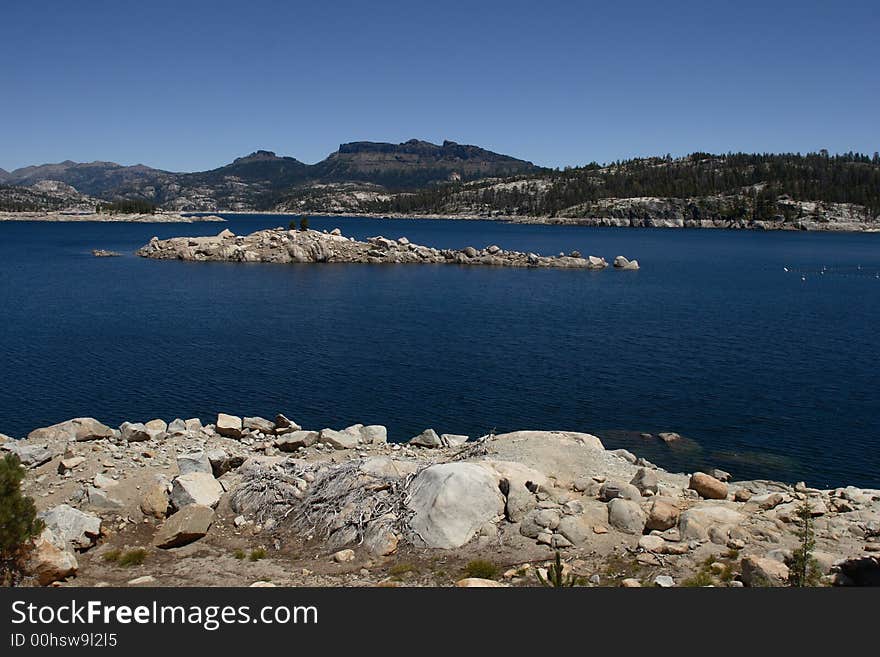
point(699, 579)
point(239, 554)
point(481, 569)
point(112, 556)
point(304, 224)
point(400, 570)
point(130, 558)
point(257, 554)
point(19, 524)
point(803, 569)
point(133, 557)
point(292, 225)
point(555, 578)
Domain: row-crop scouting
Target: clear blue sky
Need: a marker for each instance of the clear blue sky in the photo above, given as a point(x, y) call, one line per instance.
point(191, 85)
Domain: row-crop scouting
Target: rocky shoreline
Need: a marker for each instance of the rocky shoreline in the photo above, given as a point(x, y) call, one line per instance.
point(258, 502)
point(842, 222)
point(155, 218)
point(278, 245)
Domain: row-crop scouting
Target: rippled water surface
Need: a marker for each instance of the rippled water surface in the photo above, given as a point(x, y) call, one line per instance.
point(767, 373)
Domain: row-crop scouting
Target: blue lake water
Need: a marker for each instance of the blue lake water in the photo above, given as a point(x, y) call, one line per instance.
point(766, 374)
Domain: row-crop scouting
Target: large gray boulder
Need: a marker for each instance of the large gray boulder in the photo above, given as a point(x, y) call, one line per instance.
point(79, 428)
point(450, 502)
point(31, 456)
point(290, 442)
point(626, 515)
point(646, 481)
point(259, 424)
point(194, 462)
point(195, 488)
point(618, 489)
point(340, 439)
point(134, 432)
point(187, 525)
point(71, 526)
point(374, 434)
point(428, 438)
point(696, 522)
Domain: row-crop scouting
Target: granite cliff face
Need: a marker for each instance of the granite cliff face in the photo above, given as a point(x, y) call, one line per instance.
point(416, 163)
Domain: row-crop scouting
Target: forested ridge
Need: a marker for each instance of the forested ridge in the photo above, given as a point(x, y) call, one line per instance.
point(760, 179)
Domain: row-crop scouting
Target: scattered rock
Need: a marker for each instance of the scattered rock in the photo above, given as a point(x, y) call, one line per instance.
point(339, 439)
point(428, 438)
point(652, 543)
point(100, 498)
point(380, 540)
point(134, 432)
point(478, 582)
point(626, 515)
point(48, 562)
point(30, 456)
point(374, 434)
point(229, 426)
point(763, 571)
point(662, 515)
point(154, 501)
point(258, 424)
point(194, 462)
point(720, 475)
point(708, 486)
point(68, 464)
point(198, 488)
point(344, 556)
point(291, 442)
point(617, 489)
point(77, 429)
point(645, 481)
point(187, 525)
point(158, 426)
point(453, 439)
point(72, 527)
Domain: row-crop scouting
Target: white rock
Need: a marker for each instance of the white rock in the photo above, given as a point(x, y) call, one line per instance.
point(72, 527)
point(451, 502)
point(339, 439)
point(195, 488)
point(228, 425)
point(194, 462)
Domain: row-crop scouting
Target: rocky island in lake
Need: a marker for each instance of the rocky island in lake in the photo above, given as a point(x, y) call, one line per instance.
point(278, 245)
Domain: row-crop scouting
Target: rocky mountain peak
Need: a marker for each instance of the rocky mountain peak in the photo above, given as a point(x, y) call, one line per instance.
point(256, 156)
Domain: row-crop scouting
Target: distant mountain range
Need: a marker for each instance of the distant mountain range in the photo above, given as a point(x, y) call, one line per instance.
point(260, 180)
point(816, 191)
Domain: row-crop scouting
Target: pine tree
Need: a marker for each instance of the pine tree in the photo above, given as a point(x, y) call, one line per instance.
point(803, 569)
point(18, 519)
